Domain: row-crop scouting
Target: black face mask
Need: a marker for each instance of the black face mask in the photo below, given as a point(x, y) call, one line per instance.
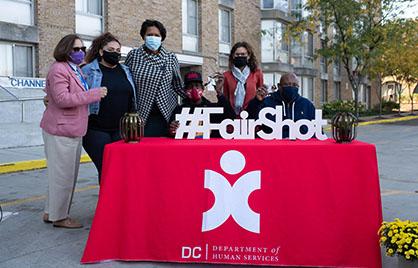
point(240, 61)
point(112, 58)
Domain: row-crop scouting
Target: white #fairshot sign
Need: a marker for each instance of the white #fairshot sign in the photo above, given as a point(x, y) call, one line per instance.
point(199, 122)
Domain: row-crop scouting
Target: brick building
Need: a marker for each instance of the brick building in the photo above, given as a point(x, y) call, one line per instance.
point(320, 80)
point(201, 33)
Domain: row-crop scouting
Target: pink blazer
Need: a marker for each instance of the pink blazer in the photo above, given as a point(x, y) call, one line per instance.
point(67, 111)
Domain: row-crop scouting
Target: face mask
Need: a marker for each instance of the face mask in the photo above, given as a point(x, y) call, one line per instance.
point(240, 61)
point(153, 42)
point(289, 93)
point(194, 94)
point(77, 57)
point(112, 58)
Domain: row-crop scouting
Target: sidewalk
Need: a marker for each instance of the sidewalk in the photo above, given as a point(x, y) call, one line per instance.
point(29, 158)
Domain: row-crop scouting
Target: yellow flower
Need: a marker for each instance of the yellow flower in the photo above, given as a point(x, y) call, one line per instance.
point(390, 251)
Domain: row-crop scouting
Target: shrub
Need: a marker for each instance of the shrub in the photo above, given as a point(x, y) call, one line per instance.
point(387, 106)
point(331, 108)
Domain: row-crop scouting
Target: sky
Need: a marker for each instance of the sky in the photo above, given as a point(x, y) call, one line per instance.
point(411, 11)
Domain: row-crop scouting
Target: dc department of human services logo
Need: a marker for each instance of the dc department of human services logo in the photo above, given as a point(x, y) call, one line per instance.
point(232, 200)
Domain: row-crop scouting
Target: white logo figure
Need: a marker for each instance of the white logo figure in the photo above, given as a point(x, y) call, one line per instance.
point(232, 200)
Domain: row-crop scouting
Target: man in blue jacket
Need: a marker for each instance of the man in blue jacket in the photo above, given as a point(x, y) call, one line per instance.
point(295, 107)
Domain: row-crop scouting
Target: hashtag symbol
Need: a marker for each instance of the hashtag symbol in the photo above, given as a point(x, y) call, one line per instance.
point(191, 123)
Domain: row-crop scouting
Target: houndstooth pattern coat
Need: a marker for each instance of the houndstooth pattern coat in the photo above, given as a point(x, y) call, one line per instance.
point(158, 80)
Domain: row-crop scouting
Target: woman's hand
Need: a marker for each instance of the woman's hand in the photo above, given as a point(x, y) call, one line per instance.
point(173, 127)
point(219, 83)
point(103, 92)
point(261, 93)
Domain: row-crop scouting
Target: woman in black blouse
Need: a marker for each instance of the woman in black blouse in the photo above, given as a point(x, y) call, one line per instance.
point(157, 78)
point(104, 69)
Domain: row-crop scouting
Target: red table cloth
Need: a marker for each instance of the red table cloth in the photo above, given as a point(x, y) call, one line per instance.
point(280, 202)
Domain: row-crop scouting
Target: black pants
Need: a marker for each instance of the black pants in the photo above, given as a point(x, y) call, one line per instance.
point(94, 142)
point(156, 125)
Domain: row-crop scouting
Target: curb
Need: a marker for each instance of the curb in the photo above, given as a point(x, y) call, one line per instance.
point(390, 120)
point(383, 121)
point(31, 165)
point(41, 163)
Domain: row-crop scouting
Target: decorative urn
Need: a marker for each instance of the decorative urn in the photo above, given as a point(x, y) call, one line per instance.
point(131, 127)
point(344, 125)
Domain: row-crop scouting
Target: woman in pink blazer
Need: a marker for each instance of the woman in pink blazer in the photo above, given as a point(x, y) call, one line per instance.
point(64, 123)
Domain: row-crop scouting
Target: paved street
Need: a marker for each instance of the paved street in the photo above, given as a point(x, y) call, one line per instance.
point(25, 241)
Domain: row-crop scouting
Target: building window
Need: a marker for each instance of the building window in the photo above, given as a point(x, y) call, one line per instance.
point(190, 25)
point(323, 28)
point(337, 68)
point(307, 87)
point(324, 91)
point(308, 49)
point(275, 4)
point(296, 48)
point(16, 60)
point(337, 90)
point(274, 47)
point(17, 11)
point(271, 79)
point(297, 9)
point(89, 17)
point(323, 60)
point(302, 50)
point(225, 32)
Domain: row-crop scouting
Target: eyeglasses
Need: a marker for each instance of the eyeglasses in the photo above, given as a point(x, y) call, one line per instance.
point(76, 49)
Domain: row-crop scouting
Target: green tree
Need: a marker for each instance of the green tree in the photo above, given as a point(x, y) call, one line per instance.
point(358, 33)
point(406, 58)
point(398, 56)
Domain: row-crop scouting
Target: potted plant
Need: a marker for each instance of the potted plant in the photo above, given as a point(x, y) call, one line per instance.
point(401, 238)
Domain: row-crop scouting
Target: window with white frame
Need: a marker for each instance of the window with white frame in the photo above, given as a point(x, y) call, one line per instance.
point(323, 60)
point(324, 91)
point(274, 46)
point(308, 49)
point(363, 94)
point(297, 9)
point(337, 90)
point(16, 60)
point(17, 11)
point(89, 17)
point(225, 32)
point(282, 5)
point(296, 56)
point(271, 79)
point(190, 23)
point(337, 68)
point(307, 87)
point(302, 50)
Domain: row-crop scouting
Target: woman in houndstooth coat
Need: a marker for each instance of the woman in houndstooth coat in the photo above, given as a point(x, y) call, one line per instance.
point(157, 78)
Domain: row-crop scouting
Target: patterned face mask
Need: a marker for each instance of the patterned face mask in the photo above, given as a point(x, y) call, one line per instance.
point(194, 94)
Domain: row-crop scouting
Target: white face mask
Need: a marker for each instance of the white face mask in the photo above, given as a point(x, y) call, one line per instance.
point(153, 42)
